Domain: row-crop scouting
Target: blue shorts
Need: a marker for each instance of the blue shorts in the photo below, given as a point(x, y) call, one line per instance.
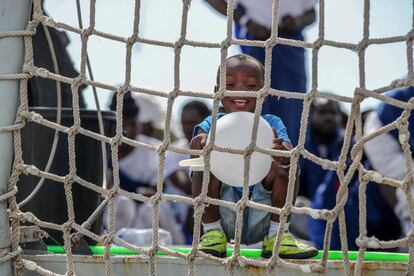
point(255, 222)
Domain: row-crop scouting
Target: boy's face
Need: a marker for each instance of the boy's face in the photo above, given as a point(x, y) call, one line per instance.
point(242, 76)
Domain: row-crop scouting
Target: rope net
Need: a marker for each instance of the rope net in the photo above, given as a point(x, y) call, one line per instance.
point(344, 170)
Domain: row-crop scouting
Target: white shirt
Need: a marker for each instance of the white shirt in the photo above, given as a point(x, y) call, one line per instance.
point(142, 164)
point(172, 158)
point(170, 166)
point(260, 11)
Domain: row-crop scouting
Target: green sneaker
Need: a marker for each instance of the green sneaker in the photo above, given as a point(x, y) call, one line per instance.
point(290, 248)
point(214, 242)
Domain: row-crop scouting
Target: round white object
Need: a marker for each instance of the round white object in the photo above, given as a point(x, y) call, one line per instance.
point(234, 130)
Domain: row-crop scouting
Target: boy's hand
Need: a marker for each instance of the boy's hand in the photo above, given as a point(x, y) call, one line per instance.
point(199, 141)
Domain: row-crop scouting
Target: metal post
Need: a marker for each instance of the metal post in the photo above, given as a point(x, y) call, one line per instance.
point(14, 16)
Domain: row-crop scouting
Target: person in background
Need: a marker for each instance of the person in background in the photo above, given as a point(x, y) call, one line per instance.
point(385, 155)
point(177, 178)
point(385, 208)
point(324, 139)
point(253, 21)
point(150, 116)
point(138, 170)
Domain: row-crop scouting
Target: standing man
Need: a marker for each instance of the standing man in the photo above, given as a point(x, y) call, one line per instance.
point(253, 21)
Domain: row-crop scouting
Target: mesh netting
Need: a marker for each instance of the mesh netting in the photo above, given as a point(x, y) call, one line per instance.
point(344, 170)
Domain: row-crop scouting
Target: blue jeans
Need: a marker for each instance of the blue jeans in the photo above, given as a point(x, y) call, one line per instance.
point(255, 222)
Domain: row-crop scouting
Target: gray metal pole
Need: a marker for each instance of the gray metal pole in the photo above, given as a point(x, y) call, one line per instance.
point(14, 16)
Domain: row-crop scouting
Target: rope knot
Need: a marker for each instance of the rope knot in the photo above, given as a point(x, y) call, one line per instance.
point(198, 201)
point(360, 94)
point(77, 82)
point(173, 94)
point(41, 72)
point(70, 178)
point(226, 43)
point(219, 95)
point(241, 205)
point(270, 42)
point(317, 44)
point(208, 149)
point(362, 45)
point(67, 226)
point(38, 16)
point(132, 39)
point(48, 21)
point(192, 255)
point(231, 262)
point(113, 192)
point(410, 35)
point(179, 43)
point(248, 151)
point(73, 130)
point(116, 141)
point(156, 198)
point(163, 147)
point(123, 89)
point(86, 32)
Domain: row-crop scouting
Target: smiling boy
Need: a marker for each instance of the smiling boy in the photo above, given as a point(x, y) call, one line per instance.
point(245, 73)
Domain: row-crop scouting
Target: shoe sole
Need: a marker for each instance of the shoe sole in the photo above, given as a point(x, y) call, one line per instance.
point(214, 253)
point(298, 256)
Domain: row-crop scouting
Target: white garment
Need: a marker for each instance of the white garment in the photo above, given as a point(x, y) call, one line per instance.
point(130, 215)
point(142, 164)
point(260, 11)
point(384, 152)
point(167, 221)
point(386, 156)
point(149, 109)
point(172, 158)
point(125, 213)
point(171, 166)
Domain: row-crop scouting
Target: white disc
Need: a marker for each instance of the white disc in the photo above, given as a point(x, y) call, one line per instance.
point(234, 130)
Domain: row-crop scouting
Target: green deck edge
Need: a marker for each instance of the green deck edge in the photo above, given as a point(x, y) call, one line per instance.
point(250, 253)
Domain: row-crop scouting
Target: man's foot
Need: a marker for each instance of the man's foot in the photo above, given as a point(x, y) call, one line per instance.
point(290, 248)
point(214, 242)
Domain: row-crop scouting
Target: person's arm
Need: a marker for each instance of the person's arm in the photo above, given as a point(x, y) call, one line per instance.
point(256, 30)
point(221, 7)
point(307, 18)
point(292, 24)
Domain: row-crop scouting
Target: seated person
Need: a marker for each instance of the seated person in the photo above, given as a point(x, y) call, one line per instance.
point(177, 178)
point(324, 139)
point(384, 155)
point(138, 169)
point(247, 73)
